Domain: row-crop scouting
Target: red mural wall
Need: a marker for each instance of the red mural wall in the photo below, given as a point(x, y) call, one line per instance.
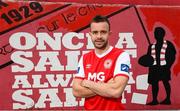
point(136, 2)
point(41, 44)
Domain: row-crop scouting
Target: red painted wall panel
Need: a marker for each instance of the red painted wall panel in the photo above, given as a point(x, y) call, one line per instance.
point(36, 88)
point(136, 2)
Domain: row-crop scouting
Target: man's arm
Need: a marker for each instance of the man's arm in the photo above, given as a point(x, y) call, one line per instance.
point(113, 89)
point(79, 90)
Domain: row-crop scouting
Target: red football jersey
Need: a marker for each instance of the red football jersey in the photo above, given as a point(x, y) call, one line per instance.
point(94, 67)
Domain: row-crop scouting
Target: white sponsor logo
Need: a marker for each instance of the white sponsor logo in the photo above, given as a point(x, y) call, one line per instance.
point(96, 76)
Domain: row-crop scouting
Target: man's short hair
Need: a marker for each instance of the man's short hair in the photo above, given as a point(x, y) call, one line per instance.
point(100, 18)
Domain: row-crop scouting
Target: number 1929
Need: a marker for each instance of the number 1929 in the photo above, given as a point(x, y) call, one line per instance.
point(15, 15)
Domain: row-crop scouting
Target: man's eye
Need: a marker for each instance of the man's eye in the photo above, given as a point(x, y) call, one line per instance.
point(94, 33)
point(103, 32)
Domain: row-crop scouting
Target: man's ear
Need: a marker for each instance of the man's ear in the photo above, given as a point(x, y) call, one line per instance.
point(110, 32)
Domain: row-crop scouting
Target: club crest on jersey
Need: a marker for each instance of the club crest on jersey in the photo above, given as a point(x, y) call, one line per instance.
point(107, 63)
point(124, 67)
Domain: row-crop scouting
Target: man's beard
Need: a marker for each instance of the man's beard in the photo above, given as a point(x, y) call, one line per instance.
point(103, 46)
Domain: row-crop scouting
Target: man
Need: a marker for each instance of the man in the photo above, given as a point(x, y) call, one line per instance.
point(102, 73)
point(163, 53)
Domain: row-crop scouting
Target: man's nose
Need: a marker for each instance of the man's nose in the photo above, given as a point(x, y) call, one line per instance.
point(99, 35)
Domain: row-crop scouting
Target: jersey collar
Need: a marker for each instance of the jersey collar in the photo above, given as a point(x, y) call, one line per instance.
point(105, 53)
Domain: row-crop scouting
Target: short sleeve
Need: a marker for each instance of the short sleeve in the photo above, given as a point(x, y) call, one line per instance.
point(122, 65)
point(80, 70)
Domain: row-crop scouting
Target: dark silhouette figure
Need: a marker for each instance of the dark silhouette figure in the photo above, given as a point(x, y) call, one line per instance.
point(160, 57)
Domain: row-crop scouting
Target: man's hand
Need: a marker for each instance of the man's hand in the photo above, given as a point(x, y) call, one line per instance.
point(111, 80)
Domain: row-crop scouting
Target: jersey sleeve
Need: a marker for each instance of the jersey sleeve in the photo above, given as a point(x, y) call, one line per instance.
point(122, 65)
point(80, 70)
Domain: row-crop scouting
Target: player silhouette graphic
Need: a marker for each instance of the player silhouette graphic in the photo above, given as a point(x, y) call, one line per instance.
point(159, 58)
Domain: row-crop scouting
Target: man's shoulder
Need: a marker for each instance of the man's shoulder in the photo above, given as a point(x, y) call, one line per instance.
point(90, 53)
point(118, 50)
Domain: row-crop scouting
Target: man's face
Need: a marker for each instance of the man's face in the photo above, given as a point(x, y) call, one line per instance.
point(159, 34)
point(99, 34)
